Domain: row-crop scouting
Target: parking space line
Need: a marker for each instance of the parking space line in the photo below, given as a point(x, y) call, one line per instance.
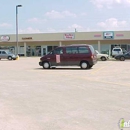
point(106, 82)
point(101, 68)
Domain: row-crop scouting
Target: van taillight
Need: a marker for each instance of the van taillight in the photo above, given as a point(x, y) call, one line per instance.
point(92, 56)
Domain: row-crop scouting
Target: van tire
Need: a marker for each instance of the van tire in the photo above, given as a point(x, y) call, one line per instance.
point(90, 66)
point(122, 58)
point(46, 65)
point(84, 65)
point(103, 58)
point(9, 58)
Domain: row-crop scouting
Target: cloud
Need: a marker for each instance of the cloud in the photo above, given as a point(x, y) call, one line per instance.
point(113, 24)
point(36, 20)
point(29, 30)
point(83, 14)
point(51, 30)
point(75, 26)
point(110, 3)
point(5, 25)
point(79, 28)
point(59, 15)
point(70, 28)
point(107, 25)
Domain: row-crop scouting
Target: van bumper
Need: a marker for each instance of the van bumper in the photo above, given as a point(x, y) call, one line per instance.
point(92, 62)
point(14, 58)
point(40, 63)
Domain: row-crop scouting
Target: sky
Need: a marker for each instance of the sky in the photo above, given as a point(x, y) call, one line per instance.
point(55, 16)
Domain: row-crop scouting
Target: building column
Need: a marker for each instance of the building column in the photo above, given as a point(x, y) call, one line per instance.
point(25, 47)
point(15, 50)
point(99, 46)
point(41, 50)
point(60, 43)
point(109, 50)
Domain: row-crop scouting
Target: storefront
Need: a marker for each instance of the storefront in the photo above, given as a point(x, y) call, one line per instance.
point(41, 44)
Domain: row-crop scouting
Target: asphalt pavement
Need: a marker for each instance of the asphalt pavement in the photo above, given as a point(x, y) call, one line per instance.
point(65, 98)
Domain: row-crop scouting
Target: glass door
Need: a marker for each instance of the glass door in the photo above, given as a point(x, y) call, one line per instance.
point(43, 50)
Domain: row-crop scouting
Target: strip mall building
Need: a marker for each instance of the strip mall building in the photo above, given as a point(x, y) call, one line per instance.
point(41, 43)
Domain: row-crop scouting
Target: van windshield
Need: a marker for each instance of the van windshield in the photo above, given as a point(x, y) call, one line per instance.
point(9, 52)
point(51, 52)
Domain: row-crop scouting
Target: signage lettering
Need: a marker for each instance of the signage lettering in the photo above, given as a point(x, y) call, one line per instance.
point(26, 38)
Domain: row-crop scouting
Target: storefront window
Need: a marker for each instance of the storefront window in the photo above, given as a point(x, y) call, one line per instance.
point(128, 47)
point(105, 48)
point(124, 48)
point(49, 48)
point(38, 51)
point(28, 51)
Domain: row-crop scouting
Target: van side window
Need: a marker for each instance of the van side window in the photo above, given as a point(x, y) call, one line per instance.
point(0, 52)
point(58, 51)
point(71, 50)
point(3, 52)
point(83, 50)
point(68, 50)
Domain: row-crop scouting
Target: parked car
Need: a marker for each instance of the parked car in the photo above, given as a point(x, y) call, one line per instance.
point(72, 55)
point(123, 56)
point(116, 51)
point(5, 54)
point(102, 57)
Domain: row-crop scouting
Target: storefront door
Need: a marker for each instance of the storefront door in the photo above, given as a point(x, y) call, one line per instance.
point(43, 50)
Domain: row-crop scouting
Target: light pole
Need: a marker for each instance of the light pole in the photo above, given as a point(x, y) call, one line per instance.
point(17, 28)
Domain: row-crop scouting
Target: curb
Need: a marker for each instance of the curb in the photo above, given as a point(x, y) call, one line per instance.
point(111, 59)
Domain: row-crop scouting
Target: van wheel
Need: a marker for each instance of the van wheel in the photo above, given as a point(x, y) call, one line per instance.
point(46, 65)
point(122, 58)
point(84, 65)
point(9, 58)
point(103, 58)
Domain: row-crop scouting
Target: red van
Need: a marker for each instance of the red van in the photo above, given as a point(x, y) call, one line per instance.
point(82, 55)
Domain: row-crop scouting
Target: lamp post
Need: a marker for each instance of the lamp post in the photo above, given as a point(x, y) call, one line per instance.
point(17, 28)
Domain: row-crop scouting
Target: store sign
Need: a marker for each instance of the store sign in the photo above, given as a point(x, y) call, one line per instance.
point(69, 36)
point(108, 35)
point(97, 35)
point(119, 35)
point(5, 38)
point(26, 38)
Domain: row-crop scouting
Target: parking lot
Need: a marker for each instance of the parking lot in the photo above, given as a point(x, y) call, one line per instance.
point(68, 98)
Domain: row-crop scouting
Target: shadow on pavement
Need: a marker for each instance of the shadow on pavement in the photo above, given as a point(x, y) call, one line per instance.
point(62, 69)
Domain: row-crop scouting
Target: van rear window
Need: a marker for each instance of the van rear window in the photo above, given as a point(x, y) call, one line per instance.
point(92, 49)
point(80, 50)
point(83, 50)
point(116, 49)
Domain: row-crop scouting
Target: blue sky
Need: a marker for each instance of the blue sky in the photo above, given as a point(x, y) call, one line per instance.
point(48, 16)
